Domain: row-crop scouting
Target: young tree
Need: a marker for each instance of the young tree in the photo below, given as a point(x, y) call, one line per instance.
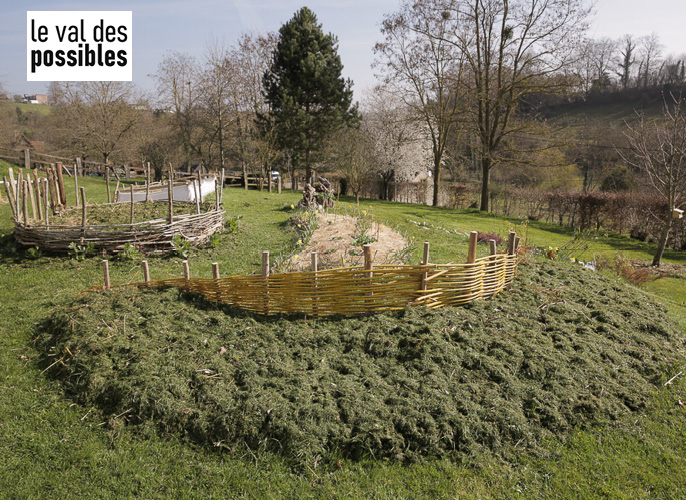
point(658, 149)
point(513, 48)
point(353, 155)
point(627, 59)
point(423, 66)
point(309, 98)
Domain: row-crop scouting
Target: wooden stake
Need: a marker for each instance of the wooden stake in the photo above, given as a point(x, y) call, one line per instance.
point(147, 183)
point(10, 197)
point(146, 271)
point(20, 176)
point(12, 184)
point(131, 191)
point(106, 270)
point(60, 184)
point(27, 158)
point(83, 208)
point(25, 201)
point(221, 187)
point(32, 197)
point(51, 191)
point(198, 192)
point(107, 184)
point(492, 247)
point(215, 270)
point(278, 185)
point(186, 271)
point(265, 263)
point(368, 264)
point(216, 193)
point(516, 244)
point(39, 202)
point(425, 261)
point(170, 195)
point(510, 243)
point(79, 166)
point(76, 187)
point(315, 261)
point(46, 203)
point(471, 255)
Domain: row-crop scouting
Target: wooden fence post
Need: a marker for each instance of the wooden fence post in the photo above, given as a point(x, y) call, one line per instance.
point(146, 271)
point(471, 255)
point(131, 216)
point(516, 244)
point(83, 208)
point(216, 193)
point(278, 185)
point(221, 186)
point(265, 263)
point(170, 195)
point(24, 201)
point(265, 274)
point(79, 166)
point(20, 176)
point(107, 184)
point(106, 270)
point(10, 197)
point(46, 203)
point(27, 158)
point(76, 186)
point(198, 192)
point(511, 243)
point(38, 184)
point(493, 247)
point(315, 261)
point(186, 271)
point(215, 270)
point(425, 261)
point(368, 264)
point(147, 182)
point(32, 197)
point(60, 184)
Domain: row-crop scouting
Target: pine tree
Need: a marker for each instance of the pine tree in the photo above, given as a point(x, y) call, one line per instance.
point(308, 97)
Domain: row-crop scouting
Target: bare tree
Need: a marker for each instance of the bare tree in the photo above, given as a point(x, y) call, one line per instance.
point(651, 51)
point(255, 145)
point(352, 152)
point(513, 48)
point(96, 119)
point(176, 86)
point(626, 60)
point(658, 149)
point(215, 85)
point(421, 64)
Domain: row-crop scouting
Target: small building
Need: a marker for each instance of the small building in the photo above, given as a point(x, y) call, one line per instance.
point(35, 99)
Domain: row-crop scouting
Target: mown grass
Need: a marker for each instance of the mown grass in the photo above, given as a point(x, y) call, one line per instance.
point(53, 448)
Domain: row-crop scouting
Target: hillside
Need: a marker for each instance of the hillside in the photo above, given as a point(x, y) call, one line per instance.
point(58, 440)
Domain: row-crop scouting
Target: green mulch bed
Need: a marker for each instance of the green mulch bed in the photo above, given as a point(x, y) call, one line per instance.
point(564, 347)
point(120, 213)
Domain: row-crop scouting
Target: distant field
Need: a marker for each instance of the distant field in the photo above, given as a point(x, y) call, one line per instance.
point(39, 109)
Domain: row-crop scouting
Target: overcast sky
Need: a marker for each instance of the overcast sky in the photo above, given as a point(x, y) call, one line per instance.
point(160, 26)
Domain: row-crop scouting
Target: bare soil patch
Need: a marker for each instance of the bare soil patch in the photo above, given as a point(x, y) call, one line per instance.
point(334, 242)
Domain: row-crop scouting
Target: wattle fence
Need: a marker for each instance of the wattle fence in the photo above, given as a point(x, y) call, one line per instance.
point(355, 290)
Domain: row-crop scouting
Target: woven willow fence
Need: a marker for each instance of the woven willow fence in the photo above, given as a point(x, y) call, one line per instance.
point(354, 290)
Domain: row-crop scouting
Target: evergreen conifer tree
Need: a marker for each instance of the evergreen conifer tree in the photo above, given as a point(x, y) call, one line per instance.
point(308, 97)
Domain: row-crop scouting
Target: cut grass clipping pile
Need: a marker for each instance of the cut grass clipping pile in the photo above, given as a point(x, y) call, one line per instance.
point(563, 347)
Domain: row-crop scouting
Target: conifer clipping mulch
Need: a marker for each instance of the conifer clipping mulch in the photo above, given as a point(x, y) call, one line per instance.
point(562, 347)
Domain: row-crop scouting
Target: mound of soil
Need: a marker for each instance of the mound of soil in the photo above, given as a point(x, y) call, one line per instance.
point(564, 347)
point(334, 242)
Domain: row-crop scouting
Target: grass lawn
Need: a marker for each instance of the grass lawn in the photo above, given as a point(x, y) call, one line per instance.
point(52, 447)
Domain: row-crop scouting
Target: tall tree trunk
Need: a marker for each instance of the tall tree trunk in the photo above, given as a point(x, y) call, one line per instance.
point(437, 179)
point(308, 167)
point(486, 174)
point(662, 243)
